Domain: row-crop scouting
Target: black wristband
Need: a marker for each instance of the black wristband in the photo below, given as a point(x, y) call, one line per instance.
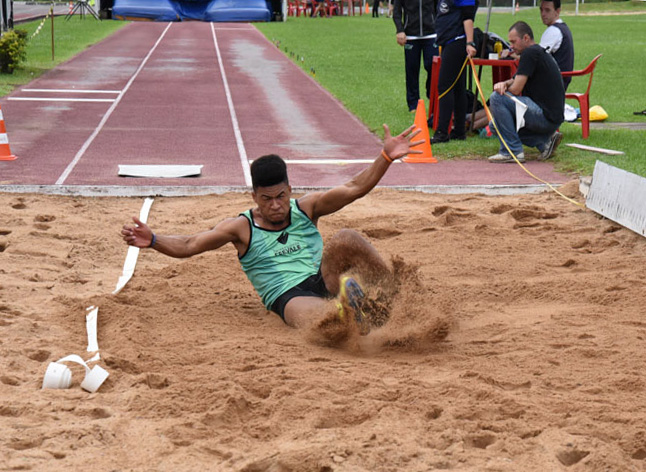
point(472, 44)
point(153, 240)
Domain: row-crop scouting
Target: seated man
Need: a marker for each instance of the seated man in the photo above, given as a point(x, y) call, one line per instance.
point(538, 79)
point(557, 38)
point(280, 248)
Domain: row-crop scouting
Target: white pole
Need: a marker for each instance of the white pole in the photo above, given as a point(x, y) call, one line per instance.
point(577, 7)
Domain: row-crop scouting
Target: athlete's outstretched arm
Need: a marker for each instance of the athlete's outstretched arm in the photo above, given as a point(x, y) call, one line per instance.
point(228, 231)
point(395, 147)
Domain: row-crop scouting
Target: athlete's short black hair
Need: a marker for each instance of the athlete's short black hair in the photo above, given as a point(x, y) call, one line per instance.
point(522, 29)
point(267, 171)
point(557, 3)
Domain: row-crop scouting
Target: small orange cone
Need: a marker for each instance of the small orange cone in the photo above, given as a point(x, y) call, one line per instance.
point(5, 152)
point(517, 5)
point(367, 8)
point(427, 153)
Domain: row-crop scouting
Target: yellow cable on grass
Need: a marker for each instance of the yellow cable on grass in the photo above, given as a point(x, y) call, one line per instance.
point(484, 101)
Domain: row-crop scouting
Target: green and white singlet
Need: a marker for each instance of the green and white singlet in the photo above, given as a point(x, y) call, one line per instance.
point(276, 261)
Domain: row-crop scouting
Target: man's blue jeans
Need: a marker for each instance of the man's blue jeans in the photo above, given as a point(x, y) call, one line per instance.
point(536, 132)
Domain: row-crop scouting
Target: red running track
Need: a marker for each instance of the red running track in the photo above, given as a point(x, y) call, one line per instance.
point(218, 95)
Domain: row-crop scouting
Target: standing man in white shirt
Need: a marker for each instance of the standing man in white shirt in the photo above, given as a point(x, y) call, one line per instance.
point(557, 38)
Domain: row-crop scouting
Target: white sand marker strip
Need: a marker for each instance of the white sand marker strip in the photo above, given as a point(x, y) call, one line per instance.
point(93, 377)
point(90, 326)
point(96, 357)
point(133, 252)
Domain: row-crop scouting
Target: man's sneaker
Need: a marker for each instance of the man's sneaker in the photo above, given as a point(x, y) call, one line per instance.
point(504, 158)
point(552, 144)
point(352, 296)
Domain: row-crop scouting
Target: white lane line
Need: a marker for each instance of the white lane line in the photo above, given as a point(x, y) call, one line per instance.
point(44, 99)
point(99, 127)
point(234, 120)
point(68, 91)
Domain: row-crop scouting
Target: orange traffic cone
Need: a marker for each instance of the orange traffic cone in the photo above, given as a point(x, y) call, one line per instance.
point(5, 152)
point(367, 9)
point(420, 122)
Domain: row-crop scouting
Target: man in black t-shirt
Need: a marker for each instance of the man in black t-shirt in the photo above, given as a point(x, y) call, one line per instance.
point(538, 87)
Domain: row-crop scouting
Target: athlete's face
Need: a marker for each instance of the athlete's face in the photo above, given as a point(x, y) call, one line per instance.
point(273, 203)
point(548, 14)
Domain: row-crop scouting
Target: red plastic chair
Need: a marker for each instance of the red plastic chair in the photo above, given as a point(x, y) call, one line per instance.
point(292, 8)
point(332, 7)
point(583, 98)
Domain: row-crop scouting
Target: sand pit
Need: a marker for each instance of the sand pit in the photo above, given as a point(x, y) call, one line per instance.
point(517, 342)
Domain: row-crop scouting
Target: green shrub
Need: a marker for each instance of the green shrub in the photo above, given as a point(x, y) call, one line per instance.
point(13, 50)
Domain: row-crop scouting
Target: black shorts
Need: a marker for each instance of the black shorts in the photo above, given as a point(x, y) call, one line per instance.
point(313, 286)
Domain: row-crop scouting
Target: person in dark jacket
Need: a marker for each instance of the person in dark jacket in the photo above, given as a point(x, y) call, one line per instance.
point(454, 27)
point(415, 23)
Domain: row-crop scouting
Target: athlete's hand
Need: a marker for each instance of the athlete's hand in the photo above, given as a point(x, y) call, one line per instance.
point(139, 235)
point(400, 146)
point(401, 38)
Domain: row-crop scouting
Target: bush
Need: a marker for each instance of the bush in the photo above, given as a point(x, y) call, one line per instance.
point(13, 50)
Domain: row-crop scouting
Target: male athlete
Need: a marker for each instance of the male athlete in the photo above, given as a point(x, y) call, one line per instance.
point(280, 248)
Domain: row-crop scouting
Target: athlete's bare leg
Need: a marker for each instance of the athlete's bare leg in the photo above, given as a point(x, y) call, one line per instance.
point(304, 312)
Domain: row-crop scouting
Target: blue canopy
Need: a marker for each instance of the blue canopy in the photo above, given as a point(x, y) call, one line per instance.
point(204, 10)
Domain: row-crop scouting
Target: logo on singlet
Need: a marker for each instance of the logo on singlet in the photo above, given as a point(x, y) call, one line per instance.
point(282, 239)
point(288, 250)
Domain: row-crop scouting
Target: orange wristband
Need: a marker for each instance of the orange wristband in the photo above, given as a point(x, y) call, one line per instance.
point(386, 156)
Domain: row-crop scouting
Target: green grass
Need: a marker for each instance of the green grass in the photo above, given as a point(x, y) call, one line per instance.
point(70, 38)
point(358, 60)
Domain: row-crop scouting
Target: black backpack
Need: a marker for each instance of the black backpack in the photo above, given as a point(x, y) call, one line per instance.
point(492, 38)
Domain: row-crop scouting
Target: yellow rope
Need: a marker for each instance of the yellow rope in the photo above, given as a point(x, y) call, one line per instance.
point(456, 79)
point(484, 101)
point(40, 26)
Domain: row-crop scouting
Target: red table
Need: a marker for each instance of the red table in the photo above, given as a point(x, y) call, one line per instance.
point(501, 69)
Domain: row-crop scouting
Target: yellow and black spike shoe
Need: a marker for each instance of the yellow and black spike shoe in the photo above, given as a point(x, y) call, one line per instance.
point(351, 297)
